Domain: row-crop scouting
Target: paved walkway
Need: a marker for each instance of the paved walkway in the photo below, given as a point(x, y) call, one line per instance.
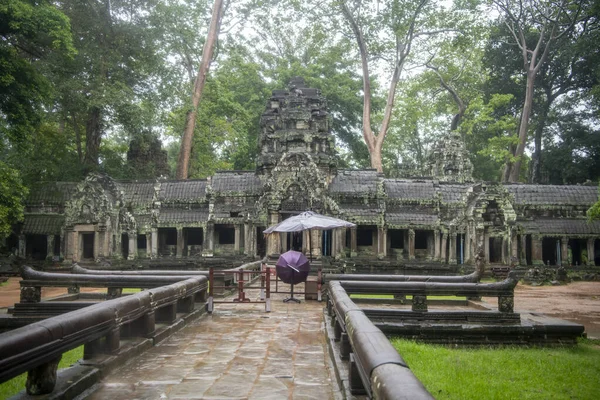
point(238, 352)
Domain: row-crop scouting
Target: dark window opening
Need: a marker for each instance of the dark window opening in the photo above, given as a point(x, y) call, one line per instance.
point(460, 248)
point(12, 243)
point(348, 238)
point(294, 241)
point(125, 245)
point(261, 244)
point(364, 237)
point(141, 242)
point(169, 236)
point(326, 241)
point(36, 246)
point(88, 245)
point(421, 240)
point(57, 245)
point(550, 248)
point(577, 250)
point(396, 238)
point(234, 214)
point(226, 235)
point(597, 252)
point(495, 244)
point(194, 236)
point(528, 250)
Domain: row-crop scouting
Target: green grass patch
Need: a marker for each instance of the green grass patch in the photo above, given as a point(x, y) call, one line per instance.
point(16, 384)
point(505, 372)
point(131, 290)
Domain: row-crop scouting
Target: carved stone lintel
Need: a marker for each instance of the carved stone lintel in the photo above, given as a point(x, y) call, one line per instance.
point(419, 303)
point(506, 304)
point(113, 293)
point(42, 379)
point(73, 289)
point(31, 294)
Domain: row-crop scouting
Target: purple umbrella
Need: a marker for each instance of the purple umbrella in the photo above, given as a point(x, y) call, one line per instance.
point(292, 268)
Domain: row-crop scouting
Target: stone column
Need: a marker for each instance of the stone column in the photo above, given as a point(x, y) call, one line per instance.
point(411, 244)
point(564, 251)
point(154, 243)
point(247, 239)
point(591, 251)
point(75, 246)
point(443, 256)
point(467, 251)
point(132, 237)
point(430, 246)
point(486, 246)
point(50, 246)
point(452, 249)
point(353, 245)
point(536, 250)
point(101, 234)
point(179, 247)
point(63, 244)
point(148, 237)
point(436, 245)
point(273, 242)
point(514, 245)
point(523, 254)
point(316, 243)
point(209, 240)
point(237, 238)
point(381, 242)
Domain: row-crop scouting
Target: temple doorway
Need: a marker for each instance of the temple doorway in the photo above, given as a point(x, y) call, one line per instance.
point(87, 246)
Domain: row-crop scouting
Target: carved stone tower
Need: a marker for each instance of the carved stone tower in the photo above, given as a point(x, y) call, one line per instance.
point(449, 161)
point(295, 122)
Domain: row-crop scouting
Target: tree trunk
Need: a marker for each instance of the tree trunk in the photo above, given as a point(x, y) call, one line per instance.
point(93, 136)
point(536, 168)
point(190, 122)
point(523, 127)
point(77, 138)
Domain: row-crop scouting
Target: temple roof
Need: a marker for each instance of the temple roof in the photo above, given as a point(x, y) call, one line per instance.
point(411, 218)
point(561, 226)
point(43, 224)
point(51, 193)
point(236, 182)
point(553, 194)
point(354, 181)
point(137, 194)
point(182, 191)
point(171, 215)
point(409, 190)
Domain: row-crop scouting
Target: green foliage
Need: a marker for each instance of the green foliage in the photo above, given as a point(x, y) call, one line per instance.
point(12, 194)
point(504, 373)
point(17, 384)
point(594, 212)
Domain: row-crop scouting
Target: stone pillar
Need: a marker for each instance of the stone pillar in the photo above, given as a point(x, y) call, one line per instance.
point(75, 246)
point(536, 250)
point(154, 243)
point(237, 238)
point(96, 244)
point(514, 245)
point(443, 256)
point(486, 246)
point(467, 251)
point(247, 239)
point(148, 237)
point(179, 247)
point(273, 240)
point(452, 249)
point(209, 240)
point(436, 245)
point(381, 242)
point(411, 244)
point(50, 246)
point(63, 244)
point(132, 237)
point(315, 243)
point(591, 251)
point(353, 245)
point(101, 234)
point(564, 251)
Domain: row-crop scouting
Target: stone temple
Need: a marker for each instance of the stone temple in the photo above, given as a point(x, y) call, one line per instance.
point(433, 223)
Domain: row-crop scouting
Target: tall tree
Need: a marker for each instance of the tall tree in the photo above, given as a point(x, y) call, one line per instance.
point(548, 20)
point(207, 55)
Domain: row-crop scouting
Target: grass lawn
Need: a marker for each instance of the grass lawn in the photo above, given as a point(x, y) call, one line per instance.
point(16, 384)
point(507, 372)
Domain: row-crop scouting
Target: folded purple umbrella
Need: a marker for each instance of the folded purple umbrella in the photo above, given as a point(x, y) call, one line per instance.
point(292, 267)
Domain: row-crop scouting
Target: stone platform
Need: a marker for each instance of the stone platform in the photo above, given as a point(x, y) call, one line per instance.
point(238, 352)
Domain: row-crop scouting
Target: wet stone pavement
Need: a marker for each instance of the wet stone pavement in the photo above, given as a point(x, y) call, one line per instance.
point(238, 352)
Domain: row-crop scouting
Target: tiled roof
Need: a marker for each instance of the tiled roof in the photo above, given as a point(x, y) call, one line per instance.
point(553, 194)
point(236, 181)
point(43, 224)
point(181, 191)
point(360, 214)
point(453, 193)
point(358, 181)
point(144, 220)
point(561, 226)
point(137, 194)
point(183, 216)
point(410, 190)
point(410, 218)
point(51, 193)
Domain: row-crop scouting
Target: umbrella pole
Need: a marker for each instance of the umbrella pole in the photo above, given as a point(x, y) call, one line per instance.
point(310, 245)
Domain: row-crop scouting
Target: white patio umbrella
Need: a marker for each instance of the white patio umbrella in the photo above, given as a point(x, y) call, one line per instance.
point(308, 220)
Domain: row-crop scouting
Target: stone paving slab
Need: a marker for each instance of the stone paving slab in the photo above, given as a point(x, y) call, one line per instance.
point(238, 352)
